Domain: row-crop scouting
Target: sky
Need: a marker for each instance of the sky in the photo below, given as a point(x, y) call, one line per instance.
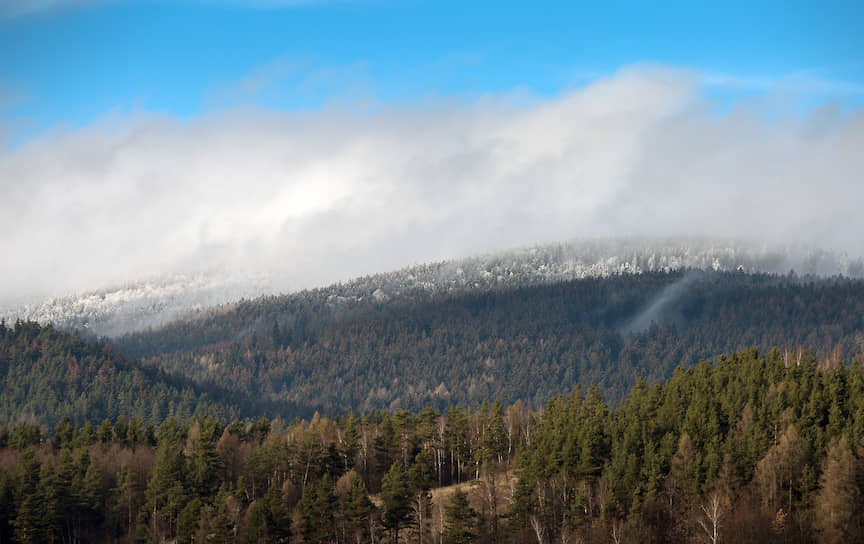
point(325, 139)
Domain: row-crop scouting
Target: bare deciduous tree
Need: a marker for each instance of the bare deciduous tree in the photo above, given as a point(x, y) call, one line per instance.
point(616, 530)
point(539, 529)
point(712, 513)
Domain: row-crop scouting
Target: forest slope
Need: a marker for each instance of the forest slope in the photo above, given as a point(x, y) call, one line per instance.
point(46, 375)
point(750, 449)
point(318, 351)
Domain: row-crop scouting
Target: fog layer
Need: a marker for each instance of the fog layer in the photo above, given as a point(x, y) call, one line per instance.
point(310, 198)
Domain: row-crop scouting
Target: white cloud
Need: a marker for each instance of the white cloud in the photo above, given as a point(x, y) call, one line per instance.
point(315, 197)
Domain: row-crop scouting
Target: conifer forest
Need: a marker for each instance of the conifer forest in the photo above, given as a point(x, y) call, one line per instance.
point(662, 407)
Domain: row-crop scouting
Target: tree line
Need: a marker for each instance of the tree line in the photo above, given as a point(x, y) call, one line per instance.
point(748, 448)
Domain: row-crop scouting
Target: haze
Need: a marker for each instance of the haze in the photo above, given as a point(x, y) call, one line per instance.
point(361, 183)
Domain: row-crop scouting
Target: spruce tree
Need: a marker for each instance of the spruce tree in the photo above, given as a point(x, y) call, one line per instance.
point(358, 510)
point(396, 496)
point(318, 506)
point(461, 519)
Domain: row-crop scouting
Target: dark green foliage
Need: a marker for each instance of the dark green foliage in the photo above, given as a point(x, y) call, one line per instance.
point(358, 511)
point(396, 498)
point(742, 430)
point(331, 355)
point(219, 523)
point(35, 500)
point(55, 378)
point(187, 522)
point(25, 434)
point(205, 466)
point(528, 344)
point(768, 438)
point(461, 519)
point(276, 517)
point(318, 507)
point(774, 440)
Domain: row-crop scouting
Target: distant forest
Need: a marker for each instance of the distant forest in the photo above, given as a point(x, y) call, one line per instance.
point(315, 351)
point(750, 449)
point(291, 356)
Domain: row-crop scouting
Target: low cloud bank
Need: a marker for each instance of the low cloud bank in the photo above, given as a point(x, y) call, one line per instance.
point(311, 198)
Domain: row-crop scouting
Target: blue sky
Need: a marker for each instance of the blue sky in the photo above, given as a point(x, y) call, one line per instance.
point(67, 63)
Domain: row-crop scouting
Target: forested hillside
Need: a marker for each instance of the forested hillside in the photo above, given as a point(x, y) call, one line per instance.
point(749, 448)
point(318, 351)
point(46, 374)
point(119, 309)
point(203, 439)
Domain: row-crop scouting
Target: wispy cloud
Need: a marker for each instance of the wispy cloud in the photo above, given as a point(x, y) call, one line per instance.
point(295, 83)
point(805, 82)
point(318, 196)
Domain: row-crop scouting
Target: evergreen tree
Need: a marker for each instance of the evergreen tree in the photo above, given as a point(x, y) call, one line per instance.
point(396, 498)
point(187, 522)
point(35, 497)
point(421, 478)
point(461, 519)
point(166, 491)
point(277, 518)
point(350, 443)
point(222, 527)
point(205, 463)
point(358, 511)
point(105, 432)
point(318, 506)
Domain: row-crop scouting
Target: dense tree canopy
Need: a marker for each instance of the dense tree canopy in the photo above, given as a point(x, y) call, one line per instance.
point(749, 448)
point(47, 375)
point(320, 352)
point(593, 410)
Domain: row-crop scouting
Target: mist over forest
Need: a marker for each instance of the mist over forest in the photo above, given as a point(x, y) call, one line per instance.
point(308, 199)
point(139, 305)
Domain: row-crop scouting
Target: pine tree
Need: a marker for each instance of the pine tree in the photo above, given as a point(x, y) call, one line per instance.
point(358, 511)
point(86, 436)
point(461, 519)
point(105, 432)
point(64, 433)
point(187, 521)
point(205, 462)
point(277, 517)
point(318, 506)
point(221, 525)
point(350, 444)
point(36, 499)
point(166, 491)
point(421, 477)
point(396, 496)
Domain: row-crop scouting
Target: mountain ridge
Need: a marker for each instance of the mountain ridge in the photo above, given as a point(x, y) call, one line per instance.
point(136, 306)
